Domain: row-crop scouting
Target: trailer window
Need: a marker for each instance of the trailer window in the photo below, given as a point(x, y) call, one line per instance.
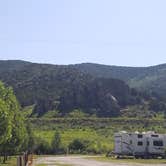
point(140, 143)
point(155, 135)
point(147, 143)
point(158, 143)
point(140, 136)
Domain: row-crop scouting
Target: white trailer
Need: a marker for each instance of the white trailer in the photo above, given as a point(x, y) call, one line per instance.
point(149, 144)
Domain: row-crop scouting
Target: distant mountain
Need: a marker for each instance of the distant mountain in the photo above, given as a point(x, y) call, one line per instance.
point(151, 79)
point(66, 88)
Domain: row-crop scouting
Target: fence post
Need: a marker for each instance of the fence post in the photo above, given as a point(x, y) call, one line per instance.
point(31, 160)
point(25, 160)
point(19, 161)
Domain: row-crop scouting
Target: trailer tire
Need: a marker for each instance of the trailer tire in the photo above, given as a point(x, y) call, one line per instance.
point(137, 157)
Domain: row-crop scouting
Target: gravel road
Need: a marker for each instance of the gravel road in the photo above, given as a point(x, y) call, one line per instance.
point(82, 161)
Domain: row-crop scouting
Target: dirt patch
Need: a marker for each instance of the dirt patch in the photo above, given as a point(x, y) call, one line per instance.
point(82, 161)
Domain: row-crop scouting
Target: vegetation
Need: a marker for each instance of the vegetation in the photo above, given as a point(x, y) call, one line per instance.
point(16, 135)
point(90, 135)
point(94, 89)
point(12, 129)
point(131, 160)
point(151, 79)
point(56, 143)
point(12, 161)
point(65, 88)
point(61, 106)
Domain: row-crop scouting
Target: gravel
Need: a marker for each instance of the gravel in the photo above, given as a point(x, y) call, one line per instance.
point(82, 161)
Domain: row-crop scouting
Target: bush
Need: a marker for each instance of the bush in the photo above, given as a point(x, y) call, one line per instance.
point(42, 147)
point(78, 146)
point(56, 143)
point(77, 114)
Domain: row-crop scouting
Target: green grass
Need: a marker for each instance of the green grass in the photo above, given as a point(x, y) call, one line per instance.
point(12, 161)
point(99, 131)
point(143, 161)
point(96, 138)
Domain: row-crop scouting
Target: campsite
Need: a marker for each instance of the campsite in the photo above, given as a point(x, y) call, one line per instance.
point(82, 83)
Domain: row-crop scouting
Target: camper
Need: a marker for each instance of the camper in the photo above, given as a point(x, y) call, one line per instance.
point(146, 144)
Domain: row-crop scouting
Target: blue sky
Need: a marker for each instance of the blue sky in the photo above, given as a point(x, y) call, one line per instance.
point(113, 32)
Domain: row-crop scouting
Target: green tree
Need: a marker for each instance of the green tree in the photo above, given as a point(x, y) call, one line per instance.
point(5, 123)
point(31, 141)
point(56, 142)
point(78, 145)
point(12, 128)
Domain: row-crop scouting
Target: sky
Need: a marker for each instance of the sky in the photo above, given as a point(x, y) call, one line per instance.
point(112, 32)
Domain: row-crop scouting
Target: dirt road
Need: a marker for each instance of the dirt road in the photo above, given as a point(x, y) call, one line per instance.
point(82, 161)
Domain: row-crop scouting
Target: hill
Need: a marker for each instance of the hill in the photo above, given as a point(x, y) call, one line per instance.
point(65, 88)
point(151, 79)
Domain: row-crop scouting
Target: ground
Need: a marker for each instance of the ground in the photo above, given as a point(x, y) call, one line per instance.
point(12, 161)
point(87, 161)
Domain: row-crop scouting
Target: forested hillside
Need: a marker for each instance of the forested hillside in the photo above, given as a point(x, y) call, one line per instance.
point(65, 88)
point(151, 79)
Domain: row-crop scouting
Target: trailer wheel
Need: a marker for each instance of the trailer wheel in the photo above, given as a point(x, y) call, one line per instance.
point(146, 157)
point(163, 157)
point(137, 157)
point(117, 157)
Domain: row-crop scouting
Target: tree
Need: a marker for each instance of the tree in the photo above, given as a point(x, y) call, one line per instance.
point(5, 119)
point(5, 122)
point(56, 142)
point(19, 135)
point(157, 105)
point(12, 128)
point(31, 141)
point(78, 145)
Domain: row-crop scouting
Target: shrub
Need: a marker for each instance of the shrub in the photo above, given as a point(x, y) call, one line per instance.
point(77, 114)
point(56, 143)
point(78, 146)
point(42, 147)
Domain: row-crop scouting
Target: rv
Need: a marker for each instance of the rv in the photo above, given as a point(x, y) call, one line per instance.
point(146, 144)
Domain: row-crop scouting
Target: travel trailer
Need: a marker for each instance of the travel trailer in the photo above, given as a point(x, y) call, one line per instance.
point(146, 144)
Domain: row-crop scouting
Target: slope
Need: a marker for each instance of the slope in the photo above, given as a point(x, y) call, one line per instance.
point(151, 79)
point(65, 88)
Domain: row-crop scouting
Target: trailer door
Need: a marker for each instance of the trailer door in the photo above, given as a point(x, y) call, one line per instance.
point(118, 144)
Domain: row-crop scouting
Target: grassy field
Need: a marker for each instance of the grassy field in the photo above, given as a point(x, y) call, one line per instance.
point(99, 141)
point(142, 161)
point(11, 162)
point(99, 131)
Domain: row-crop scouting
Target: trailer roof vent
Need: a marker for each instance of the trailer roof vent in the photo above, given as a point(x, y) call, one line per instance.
point(123, 132)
